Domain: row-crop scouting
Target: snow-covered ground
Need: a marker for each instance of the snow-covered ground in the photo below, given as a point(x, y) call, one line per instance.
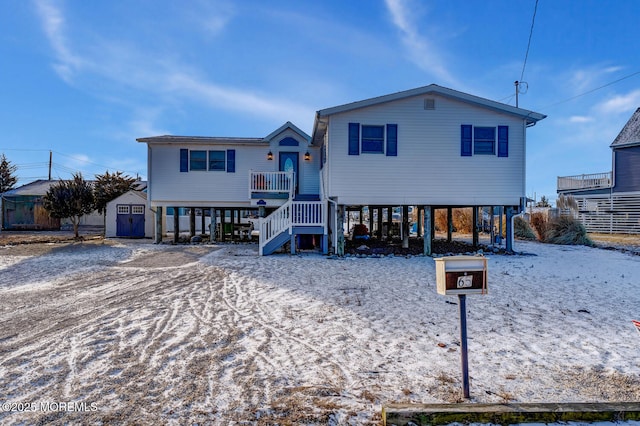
point(128, 331)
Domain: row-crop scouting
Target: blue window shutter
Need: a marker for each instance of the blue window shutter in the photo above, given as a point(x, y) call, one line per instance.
point(231, 161)
point(184, 160)
point(392, 140)
point(503, 141)
point(354, 139)
point(465, 140)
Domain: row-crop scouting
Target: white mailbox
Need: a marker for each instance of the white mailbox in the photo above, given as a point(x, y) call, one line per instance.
point(457, 275)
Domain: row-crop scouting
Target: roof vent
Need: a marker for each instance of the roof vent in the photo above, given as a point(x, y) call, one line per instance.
point(429, 103)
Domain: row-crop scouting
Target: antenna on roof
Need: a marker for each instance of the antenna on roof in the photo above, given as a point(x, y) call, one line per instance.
point(519, 89)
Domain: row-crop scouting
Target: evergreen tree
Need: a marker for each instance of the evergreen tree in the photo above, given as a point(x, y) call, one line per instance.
point(70, 199)
point(544, 202)
point(7, 174)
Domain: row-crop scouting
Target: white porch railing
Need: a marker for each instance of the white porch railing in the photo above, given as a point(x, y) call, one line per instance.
point(590, 181)
point(308, 213)
point(274, 224)
point(272, 182)
point(290, 214)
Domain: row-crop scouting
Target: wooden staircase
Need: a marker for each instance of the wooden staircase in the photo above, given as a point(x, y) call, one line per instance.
point(305, 214)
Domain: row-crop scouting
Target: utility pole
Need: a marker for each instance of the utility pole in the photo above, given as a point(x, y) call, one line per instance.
point(517, 83)
point(50, 162)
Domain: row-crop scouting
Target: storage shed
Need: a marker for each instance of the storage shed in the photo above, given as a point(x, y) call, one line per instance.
point(128, 216)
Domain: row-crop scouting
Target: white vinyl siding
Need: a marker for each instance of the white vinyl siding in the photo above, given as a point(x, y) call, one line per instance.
point(428, 168)
point(171, 187)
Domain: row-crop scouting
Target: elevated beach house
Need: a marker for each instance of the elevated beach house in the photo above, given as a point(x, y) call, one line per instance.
point(421, 149)
point(609, 202)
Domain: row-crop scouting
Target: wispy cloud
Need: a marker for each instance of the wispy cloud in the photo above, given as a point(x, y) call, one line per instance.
point(211, 17)
point(580, 119)
point(585, 79)
point(239, 100)
point(421, 52)
point(54, 27)
point(122, 67)
point(620, 103)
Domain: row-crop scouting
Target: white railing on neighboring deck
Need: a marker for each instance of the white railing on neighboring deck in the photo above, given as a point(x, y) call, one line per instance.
point(589, 181)
point(272, 182)
point(290, 214)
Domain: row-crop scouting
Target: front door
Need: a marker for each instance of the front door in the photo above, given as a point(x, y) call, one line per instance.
point(289, 163)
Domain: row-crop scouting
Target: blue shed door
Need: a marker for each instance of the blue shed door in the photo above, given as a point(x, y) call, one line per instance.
point(130, 220)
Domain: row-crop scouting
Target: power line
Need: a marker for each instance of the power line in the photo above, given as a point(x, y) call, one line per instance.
point(592, 90)
point(526, 56)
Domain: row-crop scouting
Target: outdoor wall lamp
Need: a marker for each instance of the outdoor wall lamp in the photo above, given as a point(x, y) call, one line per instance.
point(270, 156)
point(307, 156)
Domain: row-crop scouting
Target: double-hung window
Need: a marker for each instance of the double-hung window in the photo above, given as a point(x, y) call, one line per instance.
point(217, 160)
point(483, 140)
point(201, 160)
point(197, 160)
point(373, 139)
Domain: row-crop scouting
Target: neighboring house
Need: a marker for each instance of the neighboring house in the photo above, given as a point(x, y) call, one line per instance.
point(128, 216)
point(429, 147)
point(610, 202)
point(22, 209)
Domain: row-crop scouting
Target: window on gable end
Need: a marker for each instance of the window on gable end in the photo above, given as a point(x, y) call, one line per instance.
point(372, 139)
point(484, 140)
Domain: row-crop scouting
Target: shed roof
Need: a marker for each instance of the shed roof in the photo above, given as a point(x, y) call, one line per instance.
point(209, 140)
point(630, 133)
point(319, 127)
point(202, 140)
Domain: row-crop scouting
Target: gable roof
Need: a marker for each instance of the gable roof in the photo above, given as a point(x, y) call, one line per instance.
point(285, 126)
point(37, 188)
point(141, 194)
point(531, 117)
point(630, 133)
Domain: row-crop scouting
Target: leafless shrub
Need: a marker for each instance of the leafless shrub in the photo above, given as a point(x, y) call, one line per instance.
point(566, 202)
point(539, 223)
point(462, 219)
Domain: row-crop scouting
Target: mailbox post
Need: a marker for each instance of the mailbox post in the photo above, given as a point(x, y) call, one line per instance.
point(462, 275)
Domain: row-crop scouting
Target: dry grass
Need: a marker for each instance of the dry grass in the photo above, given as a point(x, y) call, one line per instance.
point(603, 385)
point(620, 239)
point(462, 220)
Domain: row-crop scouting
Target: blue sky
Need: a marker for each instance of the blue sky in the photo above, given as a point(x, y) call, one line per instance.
point(84, 79)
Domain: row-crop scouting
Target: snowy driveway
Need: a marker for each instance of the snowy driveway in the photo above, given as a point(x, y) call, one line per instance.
point(135, 332)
